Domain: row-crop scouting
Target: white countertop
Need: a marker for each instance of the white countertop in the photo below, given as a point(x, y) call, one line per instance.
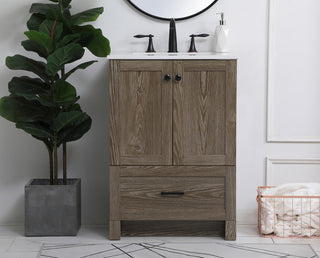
point(166, 56)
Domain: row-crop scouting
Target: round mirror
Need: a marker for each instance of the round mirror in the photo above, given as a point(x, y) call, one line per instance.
point(177, 9)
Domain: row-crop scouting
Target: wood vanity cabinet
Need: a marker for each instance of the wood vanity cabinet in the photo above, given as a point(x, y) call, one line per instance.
point(172, 147)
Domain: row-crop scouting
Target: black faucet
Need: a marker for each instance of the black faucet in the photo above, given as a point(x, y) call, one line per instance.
point(172, 37)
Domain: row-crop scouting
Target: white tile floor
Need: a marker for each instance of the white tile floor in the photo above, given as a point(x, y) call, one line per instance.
point(13, 244)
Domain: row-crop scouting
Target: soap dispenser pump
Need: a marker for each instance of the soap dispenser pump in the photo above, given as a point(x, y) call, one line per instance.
point(221, 43)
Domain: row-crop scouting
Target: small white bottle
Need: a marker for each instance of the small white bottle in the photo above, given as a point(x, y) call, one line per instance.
point(220, 41)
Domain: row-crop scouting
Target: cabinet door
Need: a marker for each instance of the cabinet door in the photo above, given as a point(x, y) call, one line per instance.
point(140, 113)
point(204, 112)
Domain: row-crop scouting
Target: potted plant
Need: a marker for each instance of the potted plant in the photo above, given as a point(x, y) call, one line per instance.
point(46, 107)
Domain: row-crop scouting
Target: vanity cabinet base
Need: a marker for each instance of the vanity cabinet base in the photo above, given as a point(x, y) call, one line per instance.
point(172, 200)
point(173, 147)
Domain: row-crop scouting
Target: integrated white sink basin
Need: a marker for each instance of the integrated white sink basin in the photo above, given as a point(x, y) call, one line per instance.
point(165, 55)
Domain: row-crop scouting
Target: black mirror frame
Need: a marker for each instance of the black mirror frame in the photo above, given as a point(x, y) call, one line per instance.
point(168, 19)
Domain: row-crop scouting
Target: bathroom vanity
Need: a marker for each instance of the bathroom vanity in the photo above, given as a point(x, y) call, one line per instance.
point(172, 144)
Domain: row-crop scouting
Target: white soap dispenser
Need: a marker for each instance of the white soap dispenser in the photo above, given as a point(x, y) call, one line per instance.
point(221, 43)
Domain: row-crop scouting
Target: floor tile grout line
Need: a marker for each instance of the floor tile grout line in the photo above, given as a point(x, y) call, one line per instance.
point(13, 240)
point(24, 251)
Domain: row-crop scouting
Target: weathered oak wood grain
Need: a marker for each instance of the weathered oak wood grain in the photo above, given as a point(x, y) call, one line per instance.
point(231, 113)
point(203, 199)
point(173, 171)
point(173, 137)
point(202, 111)
point(114, 113)
point(114, 230)
point(114, 203)
point(230, 227)
point(114, 192)
point(231, 193)
point(140, 113)
point(230, 230)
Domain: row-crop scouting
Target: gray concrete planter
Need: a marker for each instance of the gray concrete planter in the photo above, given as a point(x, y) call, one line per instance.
point(52, 210)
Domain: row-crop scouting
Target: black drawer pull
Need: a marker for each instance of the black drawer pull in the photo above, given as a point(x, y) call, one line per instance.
point(172, 193)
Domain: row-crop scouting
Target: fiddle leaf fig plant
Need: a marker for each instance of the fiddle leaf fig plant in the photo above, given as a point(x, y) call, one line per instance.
point(46, 104)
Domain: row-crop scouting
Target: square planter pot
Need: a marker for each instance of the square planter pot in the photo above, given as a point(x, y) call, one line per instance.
point(52, 210)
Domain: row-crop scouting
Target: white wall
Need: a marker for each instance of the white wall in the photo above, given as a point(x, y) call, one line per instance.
point(22, 158)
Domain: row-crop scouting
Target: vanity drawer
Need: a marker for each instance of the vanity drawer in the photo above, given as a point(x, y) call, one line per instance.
point(172, 198)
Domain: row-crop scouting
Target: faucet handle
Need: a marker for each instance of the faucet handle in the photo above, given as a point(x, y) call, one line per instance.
point(150, 46)
point(203, 35)
point(139, 36)
point(192, 48)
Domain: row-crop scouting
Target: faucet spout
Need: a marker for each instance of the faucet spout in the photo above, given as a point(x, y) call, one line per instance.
point(173, 37)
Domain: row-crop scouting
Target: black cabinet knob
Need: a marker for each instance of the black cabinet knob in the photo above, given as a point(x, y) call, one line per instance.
point(167, 77)
point(178, 77)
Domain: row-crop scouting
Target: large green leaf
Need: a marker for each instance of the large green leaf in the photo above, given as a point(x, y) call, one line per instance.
point(33, 46)
point(76, 130)
point(35, 21)
point(75, 107)
point(35, 129)
point(41, 38)
point(67, 75)
point(72, 106)
point(42, 100)
point(28, 86)
point(43, 8)
point(17, 109)
point(67, 105)
point(85, 37)
point(62, 56)
point(86, 16)
point(19, 62)
point(47, 26)
point(74, 38)
point(97, 43)
point(64, 119)
point(31, 89)
point(65, 94)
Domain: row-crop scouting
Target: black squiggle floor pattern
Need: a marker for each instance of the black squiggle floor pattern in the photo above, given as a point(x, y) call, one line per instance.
point(176, 250)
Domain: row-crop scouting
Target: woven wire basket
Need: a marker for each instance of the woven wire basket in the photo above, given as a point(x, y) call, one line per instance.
point(288, 216)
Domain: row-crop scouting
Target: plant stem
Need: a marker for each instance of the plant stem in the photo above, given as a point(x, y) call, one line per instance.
point(61, 6)
point(64, 163)
point(55, 161)
point(54, 155)
point(53, 28)
point(51, 166)
point(64, 147)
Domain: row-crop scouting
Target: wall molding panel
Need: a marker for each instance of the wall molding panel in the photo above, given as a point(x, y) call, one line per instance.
point(271, 163)
point(292, 94)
